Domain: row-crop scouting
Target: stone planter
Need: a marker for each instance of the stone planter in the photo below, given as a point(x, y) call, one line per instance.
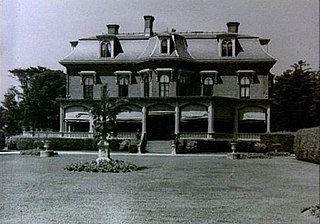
point(47, 153)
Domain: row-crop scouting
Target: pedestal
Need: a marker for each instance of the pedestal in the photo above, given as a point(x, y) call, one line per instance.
point(233, 155)
point(173, 149)
point(47, 153)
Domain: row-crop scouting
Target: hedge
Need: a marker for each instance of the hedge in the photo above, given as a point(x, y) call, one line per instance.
point(307, 145)
point(57, 144)
point(204, 146)
point(282, 142)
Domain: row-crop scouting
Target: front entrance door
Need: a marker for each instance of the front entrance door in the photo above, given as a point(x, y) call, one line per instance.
point(160, 127)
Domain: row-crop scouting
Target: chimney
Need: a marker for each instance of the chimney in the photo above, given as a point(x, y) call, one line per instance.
point(113, 28)
point(148, 25)
point(73, 44)
point(233, 27)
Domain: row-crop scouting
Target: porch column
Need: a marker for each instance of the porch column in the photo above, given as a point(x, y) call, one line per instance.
point(144, 120)
point(268, 115)
point(62, 129)
point(210, 121)
point(177, 120)
point(236, 123)
point(90, 124)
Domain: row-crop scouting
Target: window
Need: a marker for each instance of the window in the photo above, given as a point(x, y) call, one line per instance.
point(245, 87)
point(105, 49)
point(208, 86)
point(227, 48)
point(164, 85)
point(146, 86)
point(182, 86)
point(123, 87)
point(164, 46)
point(88, 88)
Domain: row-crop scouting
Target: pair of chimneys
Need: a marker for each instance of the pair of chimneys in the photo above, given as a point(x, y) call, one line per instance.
point(148, 27)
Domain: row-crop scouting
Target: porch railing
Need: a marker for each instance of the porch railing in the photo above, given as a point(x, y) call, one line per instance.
point(132, 135)
point(52, 134)
point(193, 135)
point(248, 136)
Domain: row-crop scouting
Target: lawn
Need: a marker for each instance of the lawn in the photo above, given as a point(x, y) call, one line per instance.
point(172, 189)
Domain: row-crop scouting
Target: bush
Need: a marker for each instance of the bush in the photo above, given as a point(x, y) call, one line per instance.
point(307, 145)
point(282, 142)
point(202, 146)
point(23, 143)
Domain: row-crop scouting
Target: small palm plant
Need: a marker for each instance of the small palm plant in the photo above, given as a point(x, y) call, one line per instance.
point(104, 115)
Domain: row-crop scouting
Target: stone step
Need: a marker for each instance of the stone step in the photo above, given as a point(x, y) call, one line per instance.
point(159, 147)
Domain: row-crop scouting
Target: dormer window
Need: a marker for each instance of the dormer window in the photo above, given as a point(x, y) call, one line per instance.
point(106, 50)
point(226, 48)
point(164, 46)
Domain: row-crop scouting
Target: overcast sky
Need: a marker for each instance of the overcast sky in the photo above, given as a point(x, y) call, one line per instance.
point(37, 32)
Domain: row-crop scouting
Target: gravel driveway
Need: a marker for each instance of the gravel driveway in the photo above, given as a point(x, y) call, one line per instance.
point(180, 189)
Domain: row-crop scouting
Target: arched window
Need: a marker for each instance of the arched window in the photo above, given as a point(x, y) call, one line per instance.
point(226, 47)
point(88, 88)
point(245, 87)
point(208, 86)
point(123, 87)
point(164, 85)
point(164, 46)
point(105, 49)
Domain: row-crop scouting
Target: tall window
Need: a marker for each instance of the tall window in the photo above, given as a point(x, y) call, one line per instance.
point(146, 86)
point(88, 88)
point(208, 86)
point(164, 46)
point(164, 85)
point(123, 87)
point(106, 49)
point(245, 87)
point(182, 86)
point(226, 48)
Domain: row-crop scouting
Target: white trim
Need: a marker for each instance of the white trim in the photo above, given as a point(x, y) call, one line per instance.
point(122, 72)
point(208, 72)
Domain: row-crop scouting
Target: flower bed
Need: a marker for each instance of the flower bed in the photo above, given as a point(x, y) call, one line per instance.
point(114, 166)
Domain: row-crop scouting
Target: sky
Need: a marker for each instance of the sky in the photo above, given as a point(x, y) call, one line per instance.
point(37, 32)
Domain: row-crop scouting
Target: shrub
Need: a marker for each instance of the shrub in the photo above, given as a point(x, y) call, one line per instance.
point(307, 145)
point(245, 146)
point(25, 143)
point(282, 142)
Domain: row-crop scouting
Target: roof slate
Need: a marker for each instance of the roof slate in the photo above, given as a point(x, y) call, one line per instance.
point(195, 46)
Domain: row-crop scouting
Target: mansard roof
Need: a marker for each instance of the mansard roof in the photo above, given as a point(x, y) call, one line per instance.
point(195, 46)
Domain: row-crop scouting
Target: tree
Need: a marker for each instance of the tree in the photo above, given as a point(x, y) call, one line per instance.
point(25, 75)
point(104, 114)
point(295, 93)
point(39, 107)
point(12, 115)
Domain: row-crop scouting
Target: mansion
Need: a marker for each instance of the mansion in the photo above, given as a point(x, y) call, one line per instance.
point(199, 85)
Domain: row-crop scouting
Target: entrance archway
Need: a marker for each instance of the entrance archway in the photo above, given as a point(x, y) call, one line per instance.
point(160, 122)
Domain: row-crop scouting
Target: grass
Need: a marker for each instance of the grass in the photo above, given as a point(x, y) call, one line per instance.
point(181, 189)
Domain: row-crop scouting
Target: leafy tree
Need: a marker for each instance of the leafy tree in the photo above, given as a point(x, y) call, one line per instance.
point(25, 75)
point(39, 107)
point(12, 115)
point(296, 94)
